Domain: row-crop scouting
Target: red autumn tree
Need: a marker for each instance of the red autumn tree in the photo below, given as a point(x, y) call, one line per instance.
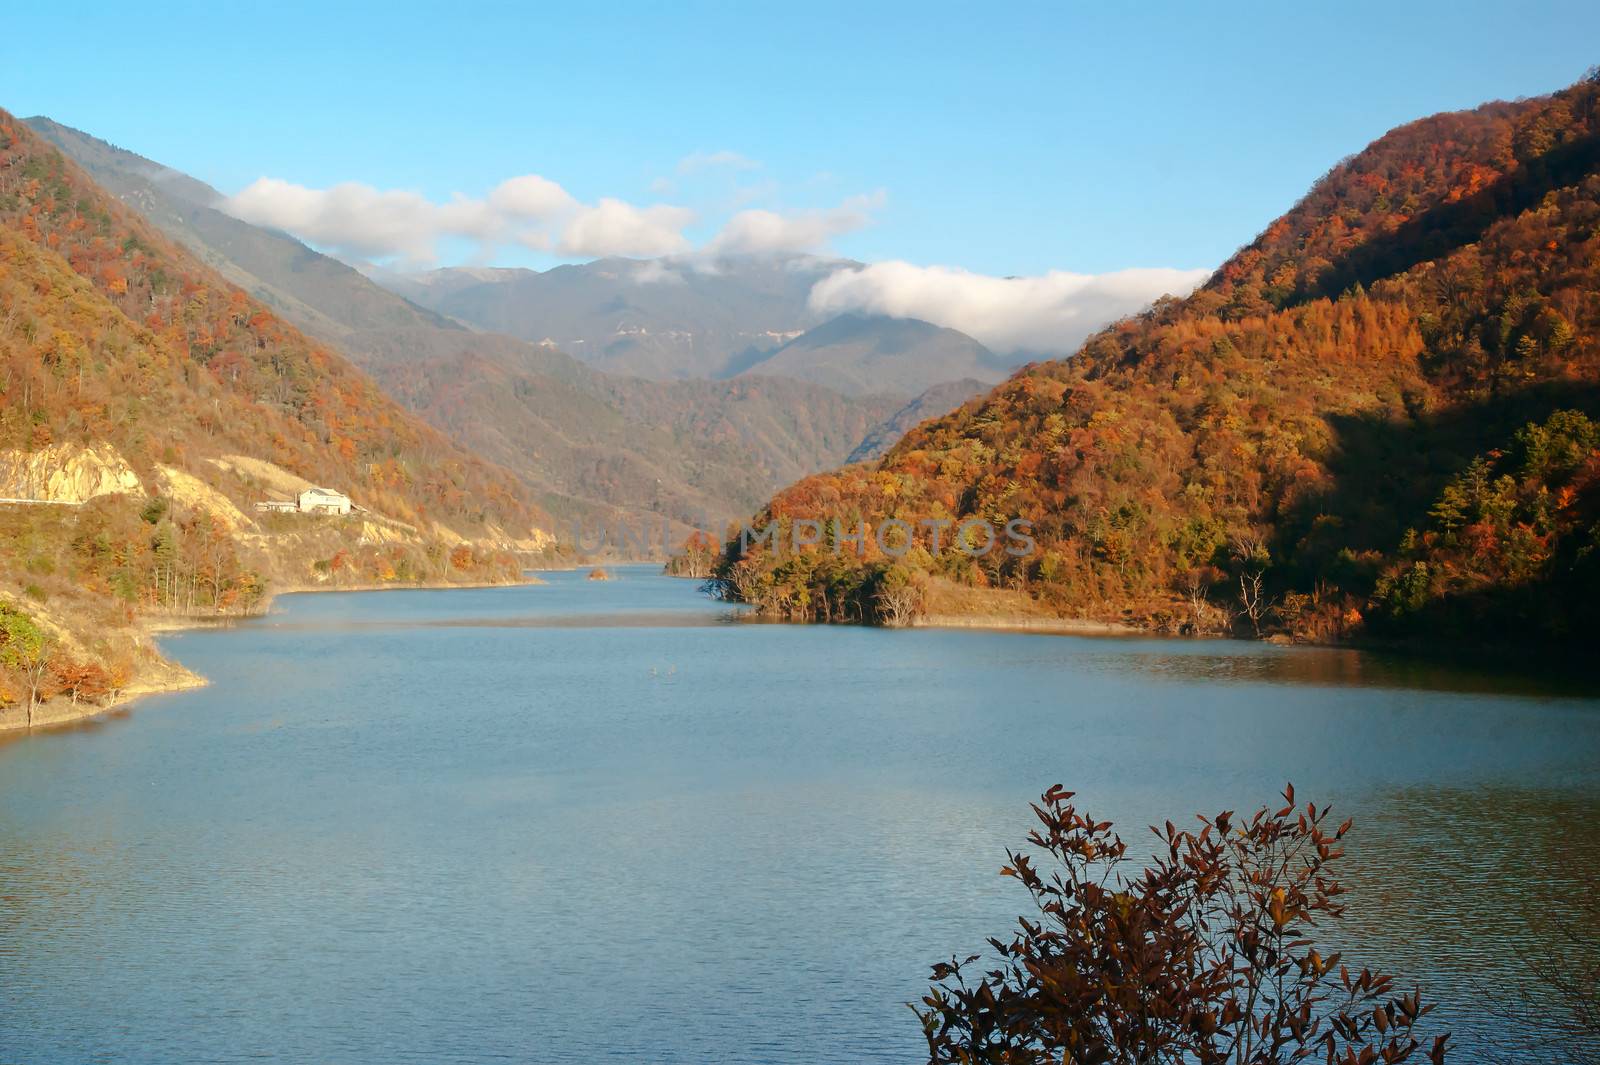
point(1207, 956)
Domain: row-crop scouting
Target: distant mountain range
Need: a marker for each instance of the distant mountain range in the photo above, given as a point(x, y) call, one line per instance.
point(652, 318)
point(591, 444)
point(688, 317)
point(859, 354)
point(664, 319)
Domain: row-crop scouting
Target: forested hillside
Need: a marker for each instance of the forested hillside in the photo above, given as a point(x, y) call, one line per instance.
point(1376, 420)
point(147, 403)
point(935, 401)
point(169, 357)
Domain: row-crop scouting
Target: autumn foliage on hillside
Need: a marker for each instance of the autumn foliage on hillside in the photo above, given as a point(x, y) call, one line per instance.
point(113, 339)
point(111, 332)
point(1376, 418)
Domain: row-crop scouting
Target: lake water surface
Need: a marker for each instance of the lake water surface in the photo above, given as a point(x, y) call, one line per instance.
point(602, 822)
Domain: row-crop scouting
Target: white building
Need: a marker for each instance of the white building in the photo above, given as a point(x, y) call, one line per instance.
point(323, 501)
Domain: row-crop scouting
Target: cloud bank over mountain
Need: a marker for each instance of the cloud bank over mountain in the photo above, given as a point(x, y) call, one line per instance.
point(614, 227)
point(1049, 314)
point(530, 211)
point(757, 231)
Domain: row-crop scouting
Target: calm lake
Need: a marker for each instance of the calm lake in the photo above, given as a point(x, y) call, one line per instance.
point(602, 821)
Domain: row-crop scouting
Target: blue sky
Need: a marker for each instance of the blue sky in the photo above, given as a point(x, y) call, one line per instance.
point(1013, 140)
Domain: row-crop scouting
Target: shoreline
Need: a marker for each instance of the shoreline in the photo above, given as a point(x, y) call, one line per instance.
point(166, 675)
point(156, 624)
point(1027, 623)
point(62, 714)
point(425, 586)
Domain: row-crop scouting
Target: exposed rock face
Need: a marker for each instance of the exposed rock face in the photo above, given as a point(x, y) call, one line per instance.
point(450, 536)
point(190, 491)
point(536, 540)
point(375, 532)
point(267, 477)
point(66, 473)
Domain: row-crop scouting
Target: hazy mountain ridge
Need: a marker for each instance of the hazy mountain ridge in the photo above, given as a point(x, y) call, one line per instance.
point(938, 400)
point(322, 294)
point(616, 449)
point(690, 317)
point(661, 318)
point(590, 445)
point(856, 353)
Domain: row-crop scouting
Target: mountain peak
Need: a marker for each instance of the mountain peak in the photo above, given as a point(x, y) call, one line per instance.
point(863, 353)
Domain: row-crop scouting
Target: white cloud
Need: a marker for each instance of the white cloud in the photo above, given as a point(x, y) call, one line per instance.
point(531, 196)
point(352, 217)
point(1048, 315)
point(531, 211)
point(613, 227)
point(759, 231)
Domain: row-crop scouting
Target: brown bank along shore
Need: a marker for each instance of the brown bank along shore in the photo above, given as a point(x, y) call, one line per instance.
point(1028, 623)
point(947, 605)
point(154, 673)
point(154, 677)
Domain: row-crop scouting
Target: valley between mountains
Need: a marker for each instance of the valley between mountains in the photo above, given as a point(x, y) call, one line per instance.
point(176, 378)
point(1378, 422)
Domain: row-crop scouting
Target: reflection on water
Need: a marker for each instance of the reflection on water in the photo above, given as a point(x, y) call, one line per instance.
point(1219, 660)
point(595, 821)
point(1492, 885)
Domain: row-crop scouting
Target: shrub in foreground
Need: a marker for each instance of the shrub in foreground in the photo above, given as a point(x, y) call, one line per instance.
point(1207, 956)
